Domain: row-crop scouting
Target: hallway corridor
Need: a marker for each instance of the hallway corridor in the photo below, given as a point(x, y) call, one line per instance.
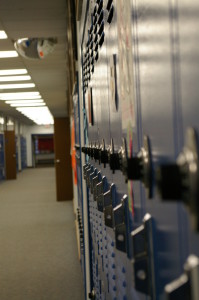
point(38, 249)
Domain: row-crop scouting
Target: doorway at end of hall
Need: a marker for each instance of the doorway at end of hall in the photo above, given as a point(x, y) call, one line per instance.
point(43, 150)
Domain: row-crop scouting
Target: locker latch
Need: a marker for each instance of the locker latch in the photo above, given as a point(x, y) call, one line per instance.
point(92, 176)
point(138, 167)
point(85, 150)
point(100, 190)
point(95, 181)
point(143, 258)
point(121, 225)
point(113, 158)
point(186, 287)
point(85, 168)
point(109, 204)
point(180, 180)
point(92, 294)
point(103, 154)
point(88, 172)
point(96, 150)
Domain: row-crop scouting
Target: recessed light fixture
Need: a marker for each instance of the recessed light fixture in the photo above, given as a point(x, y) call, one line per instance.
point(24, 101)
point(15, 78)
point(6, 54)
point(39, 115)
point(20, 96)
point(27, 104)
point(3, 35)
point(13, 72)
point(16, 86)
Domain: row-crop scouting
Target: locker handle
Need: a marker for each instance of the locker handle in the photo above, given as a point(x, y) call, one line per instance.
point(186, 286)
point(57, 161)
point(103, 154)
point(138, 167)
point(178, 181)
point(144, 257)
point(113, 158)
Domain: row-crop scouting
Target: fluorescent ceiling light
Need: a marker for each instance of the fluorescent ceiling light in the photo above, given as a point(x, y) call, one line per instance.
point(13, 72)
point(15, 78)
point(17, 86)
point(3, 35)
point(27, 104)
point(39, 115)
point(4, 54)
point(20, 96)
point(25, 101)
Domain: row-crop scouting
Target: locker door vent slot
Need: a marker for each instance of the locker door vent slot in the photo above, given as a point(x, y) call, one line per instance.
point(101, 41)
point(96, 44)
point(95, 29)
point(100, 6)
point(110, 16)
point(101, 17)
point(101, 29)
point(95, 10)
point(97, 56)
point(109, 4)
point(95, 20)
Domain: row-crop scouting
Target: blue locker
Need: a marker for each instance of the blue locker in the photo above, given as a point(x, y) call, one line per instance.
point(138, 72)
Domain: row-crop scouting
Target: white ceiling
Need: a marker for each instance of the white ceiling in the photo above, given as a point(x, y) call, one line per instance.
point(36, 18)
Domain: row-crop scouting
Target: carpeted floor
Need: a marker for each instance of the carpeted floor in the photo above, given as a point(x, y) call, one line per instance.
point(38, 249)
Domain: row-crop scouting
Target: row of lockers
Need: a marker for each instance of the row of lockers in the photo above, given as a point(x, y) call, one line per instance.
point(137, 102)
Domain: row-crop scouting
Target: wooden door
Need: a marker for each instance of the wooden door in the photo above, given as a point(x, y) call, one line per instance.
point(10, 154)
point(64, 183)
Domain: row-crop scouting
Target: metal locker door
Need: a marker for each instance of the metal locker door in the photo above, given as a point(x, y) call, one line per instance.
point(188, 102)
point(156, 113)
